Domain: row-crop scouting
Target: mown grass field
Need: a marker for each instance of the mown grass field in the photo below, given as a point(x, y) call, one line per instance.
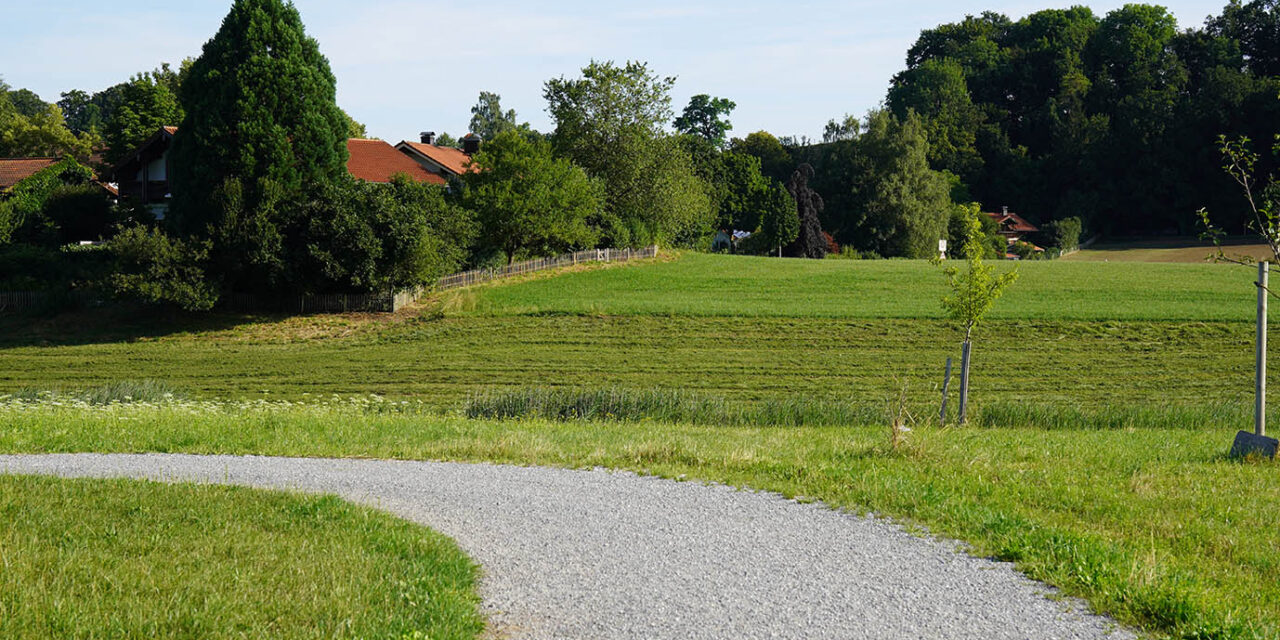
point(744, 328)
point(1107, 393)
point(1169, 250)
point(1153, 525)
point(131, 559)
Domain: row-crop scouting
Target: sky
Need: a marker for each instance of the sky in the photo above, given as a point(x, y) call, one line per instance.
point(405, 67)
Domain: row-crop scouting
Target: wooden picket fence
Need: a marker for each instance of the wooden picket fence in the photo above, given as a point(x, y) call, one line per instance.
point(477, 276)
point(305, 304)
point(16, 301)
point(19, 301)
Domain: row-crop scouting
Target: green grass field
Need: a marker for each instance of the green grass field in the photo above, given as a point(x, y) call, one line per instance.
point(1105, 397)
point(131, 559)
point(740, 286)
point(1068, 332)
point(1169, 250)
point(1152, 525)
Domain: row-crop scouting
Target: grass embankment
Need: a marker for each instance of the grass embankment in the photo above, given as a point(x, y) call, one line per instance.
point(131, 559)
point(743, 328)
point(1152, 525)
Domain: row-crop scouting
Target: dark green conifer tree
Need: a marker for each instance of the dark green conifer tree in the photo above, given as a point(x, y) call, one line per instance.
point(260, 126)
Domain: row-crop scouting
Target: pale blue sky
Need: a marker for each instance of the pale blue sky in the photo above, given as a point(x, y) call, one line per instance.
point(403, 67)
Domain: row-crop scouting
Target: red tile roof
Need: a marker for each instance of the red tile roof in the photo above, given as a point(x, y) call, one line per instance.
point(453, 160)
point(1013, 223)
point(377, 161)
point(15, 170)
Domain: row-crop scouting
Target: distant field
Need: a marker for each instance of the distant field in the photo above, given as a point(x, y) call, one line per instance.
point(716, 285)
point(1069, 332)
point(1168, 250)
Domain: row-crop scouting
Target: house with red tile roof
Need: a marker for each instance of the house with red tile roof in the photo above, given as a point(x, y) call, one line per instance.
point(377, 161)
point(143, 176)
point(15, 170)
point(446, 162)
point(1013, 227)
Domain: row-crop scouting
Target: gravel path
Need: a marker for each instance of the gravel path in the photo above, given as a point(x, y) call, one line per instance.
point(598, 554)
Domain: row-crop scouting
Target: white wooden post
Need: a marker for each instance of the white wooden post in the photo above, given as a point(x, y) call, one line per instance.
point(1260, 396)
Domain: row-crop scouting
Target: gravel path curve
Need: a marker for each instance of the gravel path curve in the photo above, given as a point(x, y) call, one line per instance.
point(599, 554)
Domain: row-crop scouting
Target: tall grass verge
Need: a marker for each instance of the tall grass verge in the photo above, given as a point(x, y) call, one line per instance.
point(676, 406)
point(121, 391)
point(1223, 415)
point(665, 405)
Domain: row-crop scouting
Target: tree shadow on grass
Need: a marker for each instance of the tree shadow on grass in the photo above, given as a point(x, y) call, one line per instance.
point(114, 323)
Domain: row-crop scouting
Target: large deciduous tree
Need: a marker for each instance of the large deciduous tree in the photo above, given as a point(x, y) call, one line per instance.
point(707, 117)
point(779, 223)
point(36, 128)
point(611, 122)
point(529, 202)
point(775, 160)
point(260, 125)
point(487, 117)
point(146, 102)
point(903, 203)
point(937, 91)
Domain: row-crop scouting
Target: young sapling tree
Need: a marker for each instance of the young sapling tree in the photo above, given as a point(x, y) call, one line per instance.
point(1264, 206)
point(973, 290)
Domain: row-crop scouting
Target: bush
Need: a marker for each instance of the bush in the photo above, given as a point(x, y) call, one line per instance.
point(846, 253)
point(79, 212)
point(1025, 251)
point(154, 268)
point(994, 245)
point(367, 237)
point(1063, 234)
point(25, 267)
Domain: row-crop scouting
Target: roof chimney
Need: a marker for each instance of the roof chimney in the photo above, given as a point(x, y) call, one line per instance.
point(470, 143)
point(1006, 210)
point(428, 137)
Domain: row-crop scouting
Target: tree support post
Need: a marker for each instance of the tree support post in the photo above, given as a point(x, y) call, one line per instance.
point(1257, 442)
point(1260, 395)
point(964, 381)
point(946, 383)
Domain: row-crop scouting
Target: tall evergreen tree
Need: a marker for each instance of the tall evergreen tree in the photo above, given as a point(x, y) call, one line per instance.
point(260, 124)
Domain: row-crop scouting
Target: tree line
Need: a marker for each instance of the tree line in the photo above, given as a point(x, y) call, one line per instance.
point(1070, 119)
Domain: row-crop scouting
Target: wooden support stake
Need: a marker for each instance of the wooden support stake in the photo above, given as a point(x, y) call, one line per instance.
point(946, 383)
